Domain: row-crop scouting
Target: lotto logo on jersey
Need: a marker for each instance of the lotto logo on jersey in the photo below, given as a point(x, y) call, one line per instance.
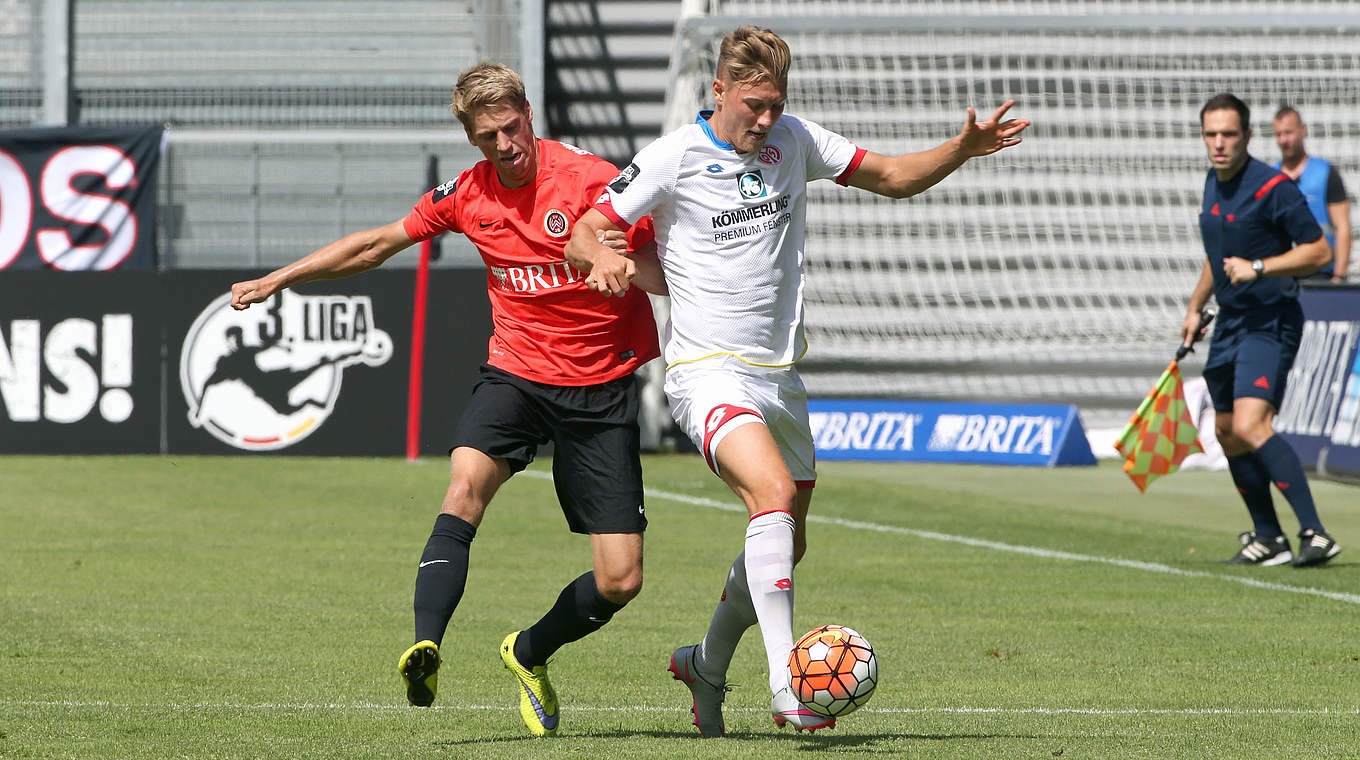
point(751, 184)
point(625, 178)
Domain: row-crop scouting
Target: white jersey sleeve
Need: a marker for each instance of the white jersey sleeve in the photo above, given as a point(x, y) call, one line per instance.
point(829, 155)
point(643, 185)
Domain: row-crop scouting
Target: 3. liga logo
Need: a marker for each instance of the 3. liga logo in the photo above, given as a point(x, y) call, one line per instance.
point(267, 377)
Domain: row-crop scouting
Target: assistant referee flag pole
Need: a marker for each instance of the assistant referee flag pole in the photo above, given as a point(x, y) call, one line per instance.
point(414, 386)
point(1161, 434)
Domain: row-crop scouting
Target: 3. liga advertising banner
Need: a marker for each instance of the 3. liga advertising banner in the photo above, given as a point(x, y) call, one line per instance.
point(144, 362)
point(935, 431)
point(1320, 414)
point(79, 198)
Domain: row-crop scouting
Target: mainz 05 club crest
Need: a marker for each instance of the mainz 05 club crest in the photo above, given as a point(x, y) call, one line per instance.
point(267, 377)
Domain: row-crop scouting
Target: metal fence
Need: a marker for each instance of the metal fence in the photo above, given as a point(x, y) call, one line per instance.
point(291, 122)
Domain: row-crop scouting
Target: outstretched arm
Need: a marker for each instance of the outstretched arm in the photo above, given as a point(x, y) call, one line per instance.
point(906, 175)
point(351, 254)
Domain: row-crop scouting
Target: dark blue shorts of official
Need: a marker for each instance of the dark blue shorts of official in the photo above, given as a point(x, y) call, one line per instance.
point(594, 432)
point(1252, 353)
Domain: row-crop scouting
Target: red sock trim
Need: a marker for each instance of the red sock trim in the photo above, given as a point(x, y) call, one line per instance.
point(771, 511)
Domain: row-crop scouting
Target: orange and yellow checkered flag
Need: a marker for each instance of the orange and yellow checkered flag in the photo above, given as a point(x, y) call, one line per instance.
point(1161, 434)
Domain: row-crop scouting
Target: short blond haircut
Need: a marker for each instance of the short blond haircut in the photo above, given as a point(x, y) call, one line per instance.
point(753, 54)
point(484, 85)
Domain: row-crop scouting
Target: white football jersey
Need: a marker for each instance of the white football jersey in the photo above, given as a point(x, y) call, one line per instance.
point(729, 231)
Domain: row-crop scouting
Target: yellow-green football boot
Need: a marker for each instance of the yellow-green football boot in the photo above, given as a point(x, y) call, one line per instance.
point(419, 667)
point(537, 700)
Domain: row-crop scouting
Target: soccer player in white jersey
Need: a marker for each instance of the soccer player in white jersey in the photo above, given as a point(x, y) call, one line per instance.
point(728, 198)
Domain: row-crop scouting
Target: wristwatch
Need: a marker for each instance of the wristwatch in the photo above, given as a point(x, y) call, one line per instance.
point(1259, 267)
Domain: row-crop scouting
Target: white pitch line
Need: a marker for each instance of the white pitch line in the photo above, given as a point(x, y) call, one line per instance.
point(1152, 567)
point(363, 706)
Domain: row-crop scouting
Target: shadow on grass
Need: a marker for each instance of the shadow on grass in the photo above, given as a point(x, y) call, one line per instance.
point(1276, 572)
point(814, 742)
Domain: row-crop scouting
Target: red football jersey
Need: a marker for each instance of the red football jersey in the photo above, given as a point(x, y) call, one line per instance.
point(548, 327)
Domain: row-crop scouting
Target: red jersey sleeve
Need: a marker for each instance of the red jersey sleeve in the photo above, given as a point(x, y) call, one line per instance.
point(435, 212)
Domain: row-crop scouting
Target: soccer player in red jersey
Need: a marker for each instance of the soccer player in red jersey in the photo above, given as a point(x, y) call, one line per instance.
point(560, 369)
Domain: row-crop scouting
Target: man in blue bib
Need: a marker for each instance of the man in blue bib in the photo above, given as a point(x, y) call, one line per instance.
point(1321, 185)
point(1250, 219)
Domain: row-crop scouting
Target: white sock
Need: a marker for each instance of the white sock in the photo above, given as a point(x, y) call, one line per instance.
point(732, 617)
point(769, 576)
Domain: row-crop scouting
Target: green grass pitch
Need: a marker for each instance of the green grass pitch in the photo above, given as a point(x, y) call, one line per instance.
point(252, 607)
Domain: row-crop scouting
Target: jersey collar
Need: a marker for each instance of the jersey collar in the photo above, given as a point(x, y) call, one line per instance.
point(708, 130)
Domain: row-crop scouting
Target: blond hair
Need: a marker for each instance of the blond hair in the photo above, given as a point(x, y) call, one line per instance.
point(753, 54)
point(484, 85)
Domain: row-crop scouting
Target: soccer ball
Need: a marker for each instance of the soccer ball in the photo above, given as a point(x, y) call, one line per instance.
point(833, 670)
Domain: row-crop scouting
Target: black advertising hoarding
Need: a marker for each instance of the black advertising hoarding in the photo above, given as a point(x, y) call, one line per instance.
point(457, 329)
point(315, 370)
point(1320, 414)
point(80, 362)
point(321, 370)
point(79, 198)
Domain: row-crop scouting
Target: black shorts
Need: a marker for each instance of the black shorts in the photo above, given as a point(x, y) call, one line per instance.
point(594, 431)
point(1251, 355)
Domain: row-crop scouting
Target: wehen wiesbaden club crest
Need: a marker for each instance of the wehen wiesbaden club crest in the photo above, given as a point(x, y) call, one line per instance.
point(267, 377)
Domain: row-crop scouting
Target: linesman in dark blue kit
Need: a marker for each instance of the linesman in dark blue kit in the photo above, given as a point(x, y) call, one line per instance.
point(1258, 236)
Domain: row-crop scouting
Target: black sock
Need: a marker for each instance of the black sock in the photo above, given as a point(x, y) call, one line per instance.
point(1284, 467)
point(1254, 484)
point(442, 575)
point(580, 610)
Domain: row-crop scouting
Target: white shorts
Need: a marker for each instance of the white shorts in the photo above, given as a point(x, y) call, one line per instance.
point(711, 398)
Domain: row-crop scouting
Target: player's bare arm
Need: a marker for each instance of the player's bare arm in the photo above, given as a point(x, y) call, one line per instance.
point(649, 276)
point(1296, 262)
point(607, 270)
point(1340, 214)
point(354, 253)
point(1190, 328)
point(906, 175)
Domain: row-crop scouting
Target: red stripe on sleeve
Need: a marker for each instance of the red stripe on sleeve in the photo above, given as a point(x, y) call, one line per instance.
point(604, 206)
point(1272, 182)
point(641, 233)
point(854, 164)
